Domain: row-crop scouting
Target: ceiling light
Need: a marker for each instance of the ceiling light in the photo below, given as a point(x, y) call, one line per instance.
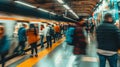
point(42, 10)
point(67, 7)
point(19, 2)
point(74, 13)
point(52, 13)
point(60, 1)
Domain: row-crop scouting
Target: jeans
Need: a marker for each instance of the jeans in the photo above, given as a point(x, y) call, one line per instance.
point(34, 47)
point(111, 59)
point(57, 35)
point(42, 40)
point(49, 41)
point(3, 58)
point(21, 46)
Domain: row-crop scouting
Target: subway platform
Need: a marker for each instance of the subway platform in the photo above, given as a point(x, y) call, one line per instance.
point(60, 55)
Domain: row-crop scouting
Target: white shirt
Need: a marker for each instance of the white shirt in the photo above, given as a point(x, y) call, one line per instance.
point(42, 32)
point(106, 52)
point(47, 29)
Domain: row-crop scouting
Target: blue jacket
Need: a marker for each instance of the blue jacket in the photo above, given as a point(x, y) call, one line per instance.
point(108, 37)
point(69, 35)
point(22, 34)
point(4, 44)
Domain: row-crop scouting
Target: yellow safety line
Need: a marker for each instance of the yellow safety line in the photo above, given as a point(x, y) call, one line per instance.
point(32, 61)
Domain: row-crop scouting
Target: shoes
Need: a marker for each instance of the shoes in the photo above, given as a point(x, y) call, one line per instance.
point(36, 55)
point(31, 56)
point(42, 46)
point(47, 47)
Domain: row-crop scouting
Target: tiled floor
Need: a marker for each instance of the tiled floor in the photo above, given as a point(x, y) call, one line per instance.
point(62, 57)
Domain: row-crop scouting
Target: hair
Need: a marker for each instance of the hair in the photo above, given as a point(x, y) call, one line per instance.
point(42, 27)
point(81, 19)
point(33, 26)
point(107, 15)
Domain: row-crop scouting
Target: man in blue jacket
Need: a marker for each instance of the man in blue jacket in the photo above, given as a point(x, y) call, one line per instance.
point(22, 38)
point(108, 38)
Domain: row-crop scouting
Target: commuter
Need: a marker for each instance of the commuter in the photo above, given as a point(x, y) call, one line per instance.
point(108, 38)
point(79, 40)
point(42, 31)
point(4, 44)
point(69, 39)
point(53, 33)
point(48, 36)
point(22, 38)
point(33, 38)
point(92, 27)
point(61, 29)
point(57, 31)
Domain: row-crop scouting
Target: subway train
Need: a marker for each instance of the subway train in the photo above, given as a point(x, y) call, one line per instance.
point(11, 30)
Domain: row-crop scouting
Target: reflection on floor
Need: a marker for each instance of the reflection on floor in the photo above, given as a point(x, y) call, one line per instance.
point(62, 56)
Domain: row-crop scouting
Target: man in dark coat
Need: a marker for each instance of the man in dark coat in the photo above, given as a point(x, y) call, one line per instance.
point(108, 38)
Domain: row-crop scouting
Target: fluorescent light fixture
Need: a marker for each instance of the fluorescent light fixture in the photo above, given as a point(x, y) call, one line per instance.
point(46, 11)
point(43, 10)
point(66, 6)
point(52, 13)
point(60, 1)
point(74, 13)
point(22, 3)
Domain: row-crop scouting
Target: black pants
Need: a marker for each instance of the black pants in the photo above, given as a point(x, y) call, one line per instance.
point(49, 41)
point(21, 46)
point(54, 38)
point(34, 48)
point(3, 55)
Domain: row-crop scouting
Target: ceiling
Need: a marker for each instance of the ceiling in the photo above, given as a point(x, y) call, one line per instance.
point(80, 7)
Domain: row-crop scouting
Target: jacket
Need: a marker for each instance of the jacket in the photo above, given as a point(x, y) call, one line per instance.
point(22, 34)
point(79, 39)
point(32, 38)
point(108, 37)
point(4, 44)
point(69, 35)
point(57, 29)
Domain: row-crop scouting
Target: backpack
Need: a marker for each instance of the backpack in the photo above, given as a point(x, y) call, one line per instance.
point(69, 35)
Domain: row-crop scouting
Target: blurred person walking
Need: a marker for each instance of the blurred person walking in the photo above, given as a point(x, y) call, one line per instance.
point(53, 33)
point(42, 32)
point(79, 41)
point(33, 38)
point(4, 44)
point(22, 38)
point(108, 38)
point(57, 31)
point(48, 36)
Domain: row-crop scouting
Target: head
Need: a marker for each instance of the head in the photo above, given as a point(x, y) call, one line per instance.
point(42, 27)
point(32, 26)
point(24, 25)
point(81, 22)
point(2, 29)
point(108, 17)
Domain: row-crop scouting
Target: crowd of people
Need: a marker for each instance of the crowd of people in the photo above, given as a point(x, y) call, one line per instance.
point(107, 36)
point(32, 36)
